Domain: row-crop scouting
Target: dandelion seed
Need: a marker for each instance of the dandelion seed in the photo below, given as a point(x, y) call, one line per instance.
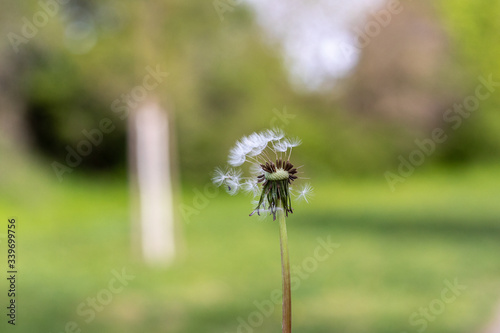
point(251, 186)
point(220, 176)
point(237, 155)
point(280, 146)
point(274, 134)
point(255, 170)
point(233, 181)
point(294, 142)
point(305, 193)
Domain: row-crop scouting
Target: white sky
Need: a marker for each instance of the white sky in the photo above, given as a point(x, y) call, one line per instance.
point(310, 33)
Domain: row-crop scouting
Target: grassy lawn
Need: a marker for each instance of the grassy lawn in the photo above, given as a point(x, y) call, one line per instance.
point(395, 253)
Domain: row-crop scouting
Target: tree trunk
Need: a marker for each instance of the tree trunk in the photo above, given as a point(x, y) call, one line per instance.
point(150, 168)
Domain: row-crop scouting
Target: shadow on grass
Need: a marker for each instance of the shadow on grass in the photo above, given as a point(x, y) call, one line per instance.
point(444, 226)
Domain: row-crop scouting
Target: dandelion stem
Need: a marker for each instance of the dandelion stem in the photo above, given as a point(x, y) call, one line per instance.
point(285, 270)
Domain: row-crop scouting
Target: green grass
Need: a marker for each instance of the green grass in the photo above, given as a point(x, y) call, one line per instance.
point(396, 249)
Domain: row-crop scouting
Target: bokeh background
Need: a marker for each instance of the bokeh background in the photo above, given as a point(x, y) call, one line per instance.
point(364, 84)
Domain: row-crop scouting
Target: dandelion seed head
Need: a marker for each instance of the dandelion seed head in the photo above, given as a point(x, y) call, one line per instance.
point(268, 153)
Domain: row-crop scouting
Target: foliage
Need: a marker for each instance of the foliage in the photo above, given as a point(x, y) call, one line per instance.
point(473, 26)
point(224, 80)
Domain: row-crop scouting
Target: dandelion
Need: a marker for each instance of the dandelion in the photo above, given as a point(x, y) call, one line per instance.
point(268, 154)
point(273, 175)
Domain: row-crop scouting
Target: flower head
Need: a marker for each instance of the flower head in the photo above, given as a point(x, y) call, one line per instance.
point(273, 173)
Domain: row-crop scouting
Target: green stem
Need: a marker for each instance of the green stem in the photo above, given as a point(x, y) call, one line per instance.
point(285, 271)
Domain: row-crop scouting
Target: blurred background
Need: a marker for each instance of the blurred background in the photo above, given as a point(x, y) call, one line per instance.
point(114, 114)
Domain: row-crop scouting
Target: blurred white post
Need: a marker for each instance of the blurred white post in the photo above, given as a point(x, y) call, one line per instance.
point(150, 159)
